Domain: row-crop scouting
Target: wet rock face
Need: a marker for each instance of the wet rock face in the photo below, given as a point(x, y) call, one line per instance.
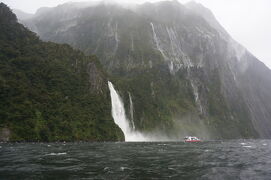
point(256, 84)
point(180, 56)
point(96, 79)
point(4, 134)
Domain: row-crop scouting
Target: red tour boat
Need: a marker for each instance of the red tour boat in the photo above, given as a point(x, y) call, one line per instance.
point(191, 139)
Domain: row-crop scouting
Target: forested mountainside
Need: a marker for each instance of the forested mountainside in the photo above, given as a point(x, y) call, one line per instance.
point(50, 92)
point(182, 70)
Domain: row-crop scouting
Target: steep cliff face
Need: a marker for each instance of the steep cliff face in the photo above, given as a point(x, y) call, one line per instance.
point(251, 76)
point(185, 74)
point(50, 92)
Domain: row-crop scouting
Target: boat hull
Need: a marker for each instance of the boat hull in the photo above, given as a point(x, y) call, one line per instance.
point(193, 141)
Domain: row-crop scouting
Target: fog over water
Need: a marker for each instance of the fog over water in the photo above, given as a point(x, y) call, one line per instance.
point(248, 21)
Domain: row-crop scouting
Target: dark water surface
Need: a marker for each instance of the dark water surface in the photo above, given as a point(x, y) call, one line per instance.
point(241, 159)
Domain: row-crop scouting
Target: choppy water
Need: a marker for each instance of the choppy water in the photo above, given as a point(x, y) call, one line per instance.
point(250, 159)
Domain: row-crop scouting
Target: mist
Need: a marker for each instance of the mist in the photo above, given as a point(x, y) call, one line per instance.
point(157, 90)
point(246, 21)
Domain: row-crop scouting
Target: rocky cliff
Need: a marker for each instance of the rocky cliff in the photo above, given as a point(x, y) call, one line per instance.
point(184, 72)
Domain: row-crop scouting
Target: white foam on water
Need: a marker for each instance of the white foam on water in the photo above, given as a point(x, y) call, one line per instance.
point(56, 154)
point(106, 168)
point(123, 168)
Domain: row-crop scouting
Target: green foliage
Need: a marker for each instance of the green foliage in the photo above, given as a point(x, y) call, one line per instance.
point(46, 93)
point(157, 97)
point(125, 43)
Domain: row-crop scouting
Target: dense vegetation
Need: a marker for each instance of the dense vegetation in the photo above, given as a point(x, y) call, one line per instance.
point(166, 103)
point(163, 101)
point(173, 63)
point(183, 71)
point(50, 92)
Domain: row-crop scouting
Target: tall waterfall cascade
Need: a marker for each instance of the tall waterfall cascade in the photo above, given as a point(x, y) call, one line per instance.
point(119, 116)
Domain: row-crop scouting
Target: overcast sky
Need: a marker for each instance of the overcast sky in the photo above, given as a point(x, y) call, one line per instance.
point(248, 21)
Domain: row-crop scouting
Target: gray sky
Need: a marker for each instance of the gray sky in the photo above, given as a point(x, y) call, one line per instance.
point(248, 21)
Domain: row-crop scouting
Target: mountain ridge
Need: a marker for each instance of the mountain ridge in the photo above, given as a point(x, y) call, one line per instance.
point(183, 70)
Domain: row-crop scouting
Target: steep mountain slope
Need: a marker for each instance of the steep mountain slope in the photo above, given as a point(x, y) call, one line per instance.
point(182, 70)
point(50, 92)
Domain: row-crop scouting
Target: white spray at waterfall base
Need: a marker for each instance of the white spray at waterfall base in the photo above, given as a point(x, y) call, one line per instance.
point(119, 116)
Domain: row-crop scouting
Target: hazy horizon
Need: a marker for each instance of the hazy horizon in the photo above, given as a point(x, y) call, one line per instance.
point(246, 21)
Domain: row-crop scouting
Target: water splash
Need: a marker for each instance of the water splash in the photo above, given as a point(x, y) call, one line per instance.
point(119, 116)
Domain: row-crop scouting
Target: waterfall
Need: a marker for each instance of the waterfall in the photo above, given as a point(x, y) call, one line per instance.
point(119, 116)
point(156, 40)
point(132, 45)
point(196, 94)
point(131, 111)
point(116, 36)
